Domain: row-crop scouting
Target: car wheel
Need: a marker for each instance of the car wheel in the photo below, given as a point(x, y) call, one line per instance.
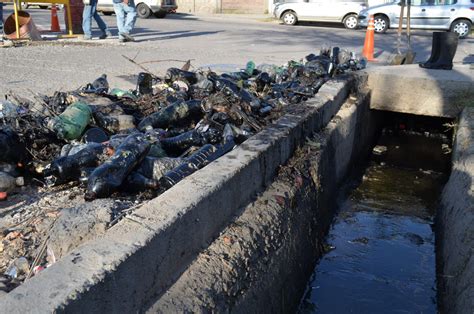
point(461, 27)
point(143, 11)
point(350, 21)
point(289, 18)
point(107, 13)
point(160, 14)
point(380, 24)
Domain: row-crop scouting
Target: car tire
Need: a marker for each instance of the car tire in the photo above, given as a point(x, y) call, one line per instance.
point(461, 27)
point(107, 13)
point(381, 24)
point(350, 21)
point(289, 18)
point(143, 11)
point(160, 14)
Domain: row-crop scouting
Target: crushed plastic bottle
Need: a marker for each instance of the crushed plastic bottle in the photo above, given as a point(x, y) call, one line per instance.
point(120, 93)
point(19, 267)
point(70, 124)
point(109, 176)
point(99, 86)
point(8, 109)
point(155, 168)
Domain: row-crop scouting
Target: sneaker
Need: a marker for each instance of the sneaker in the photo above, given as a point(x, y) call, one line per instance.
point(105, 35)
point(122, 40)
point(127, 37)
point(85, 37)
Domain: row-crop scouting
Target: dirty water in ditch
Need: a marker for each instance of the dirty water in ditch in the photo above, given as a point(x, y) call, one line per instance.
point(381, 245)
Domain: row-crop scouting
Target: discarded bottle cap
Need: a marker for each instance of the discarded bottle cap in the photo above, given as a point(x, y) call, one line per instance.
point(95, 135)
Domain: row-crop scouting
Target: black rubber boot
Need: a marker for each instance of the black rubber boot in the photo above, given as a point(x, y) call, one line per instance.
point(448, 47)
point(435, 49)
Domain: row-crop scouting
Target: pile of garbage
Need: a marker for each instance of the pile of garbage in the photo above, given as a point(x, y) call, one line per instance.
point(112, 142)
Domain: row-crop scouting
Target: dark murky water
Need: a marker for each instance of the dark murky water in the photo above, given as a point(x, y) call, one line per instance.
point(383, 247)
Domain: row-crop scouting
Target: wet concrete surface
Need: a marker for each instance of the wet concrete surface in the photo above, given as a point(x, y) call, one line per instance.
point(381, 246)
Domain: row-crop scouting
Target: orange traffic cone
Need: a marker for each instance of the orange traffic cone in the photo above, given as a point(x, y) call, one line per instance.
point(368, 51)
point(54, 20)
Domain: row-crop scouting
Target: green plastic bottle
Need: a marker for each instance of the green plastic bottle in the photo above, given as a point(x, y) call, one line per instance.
point(70, 124)
point(250, 67)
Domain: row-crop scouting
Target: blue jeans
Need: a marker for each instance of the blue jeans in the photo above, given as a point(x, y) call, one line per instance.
point(1, 20)
point(90, 11)
point(126, 17)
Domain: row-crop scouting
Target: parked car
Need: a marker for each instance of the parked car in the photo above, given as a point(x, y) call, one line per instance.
point(145, 8)
point(44, 6)
point(293, 11)
point(454, 15)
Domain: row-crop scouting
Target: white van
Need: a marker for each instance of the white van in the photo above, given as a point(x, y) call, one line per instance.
point(145, 8)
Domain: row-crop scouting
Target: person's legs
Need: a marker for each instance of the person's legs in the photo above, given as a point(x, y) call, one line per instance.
point(120, 13)
point(87, 21)
point(1, 21)
point(100, 22)
point(131, 17)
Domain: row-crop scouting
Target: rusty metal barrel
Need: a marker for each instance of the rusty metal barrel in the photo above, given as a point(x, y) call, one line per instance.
point(27, 27)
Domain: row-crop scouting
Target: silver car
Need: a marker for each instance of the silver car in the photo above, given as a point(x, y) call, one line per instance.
point(454, 15)
point(292, 11)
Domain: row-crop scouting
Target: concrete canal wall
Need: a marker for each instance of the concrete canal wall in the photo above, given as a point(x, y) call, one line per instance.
point(455, 223)
point(262, 260)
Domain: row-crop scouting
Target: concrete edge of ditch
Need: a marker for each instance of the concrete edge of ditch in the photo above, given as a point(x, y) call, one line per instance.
point(140, 257)
point(455, 224)
point(262, 259)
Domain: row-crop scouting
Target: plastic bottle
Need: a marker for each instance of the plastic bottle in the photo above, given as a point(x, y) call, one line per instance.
point(70, 124)
point(144, 83)
point(8, 110)
point(175, 74)
point(68, 168)
point(120, 93)
point(12, 149)
point(191, 165)
point(250, 67)
point(136, 182)
point(8, 183)
point(99, 86)
point(173, 115)
point(155, 168)
point(178, 144)
point(109, 176)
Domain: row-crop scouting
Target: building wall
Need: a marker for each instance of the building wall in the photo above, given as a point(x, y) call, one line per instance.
point(198, 6)
point(244, 6)
point(223, 6)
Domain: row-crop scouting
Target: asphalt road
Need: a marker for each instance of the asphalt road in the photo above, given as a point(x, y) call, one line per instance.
point(221, 41)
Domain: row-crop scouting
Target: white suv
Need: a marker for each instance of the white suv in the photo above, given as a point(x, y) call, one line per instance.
point(145, 8)
point(454, 15)
point(342, 11)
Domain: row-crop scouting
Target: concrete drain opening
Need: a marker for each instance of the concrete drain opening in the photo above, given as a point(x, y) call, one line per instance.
point(380, 250)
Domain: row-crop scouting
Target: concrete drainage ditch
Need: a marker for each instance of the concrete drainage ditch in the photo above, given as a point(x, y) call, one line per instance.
point(247, 239)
